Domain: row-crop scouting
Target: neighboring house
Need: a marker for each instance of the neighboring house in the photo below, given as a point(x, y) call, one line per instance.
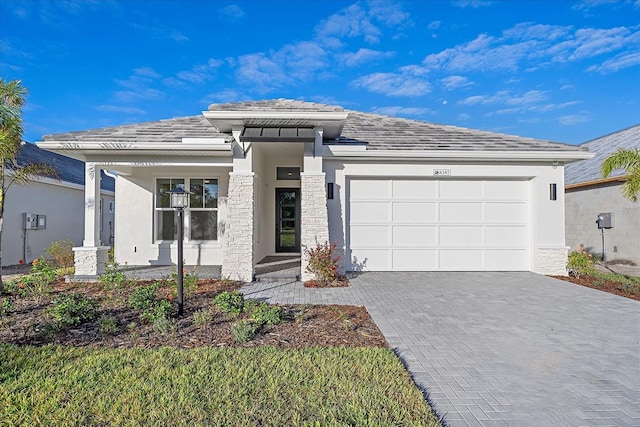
point(587, 195)
point(273, 177)
point(59, 205)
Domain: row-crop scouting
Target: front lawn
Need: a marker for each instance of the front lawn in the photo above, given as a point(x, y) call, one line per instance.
point(56, 385)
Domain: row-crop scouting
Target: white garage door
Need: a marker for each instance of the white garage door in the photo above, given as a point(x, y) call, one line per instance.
point(448, 225)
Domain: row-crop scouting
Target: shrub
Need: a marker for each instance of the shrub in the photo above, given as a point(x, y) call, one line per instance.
point(72, 309)
point(114, 277)
point(108, 325)
point(60, 253)
point(157, 310)
point(39, 281)
point(580, 262)
point(6, 307)
point(230, 302)
point(202, 317)
point(143, 297)
point(243, 331)
point(323, 262)
point(189, 281)
point(164, 325)
point(265, 314)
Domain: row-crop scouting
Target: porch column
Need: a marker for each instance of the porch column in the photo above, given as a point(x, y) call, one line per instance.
point(91, 258)
point(314, 223)
point(239, 232)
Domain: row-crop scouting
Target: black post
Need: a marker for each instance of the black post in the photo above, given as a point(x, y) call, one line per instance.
point(180, 260)
point(602, 232)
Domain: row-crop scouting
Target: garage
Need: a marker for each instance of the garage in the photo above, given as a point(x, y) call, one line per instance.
point(402, 224)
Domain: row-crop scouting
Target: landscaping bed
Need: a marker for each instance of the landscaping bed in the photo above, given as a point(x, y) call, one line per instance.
point(303, 325)
point(625, 286)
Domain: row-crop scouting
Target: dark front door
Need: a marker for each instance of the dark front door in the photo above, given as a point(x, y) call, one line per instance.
point(287, 220)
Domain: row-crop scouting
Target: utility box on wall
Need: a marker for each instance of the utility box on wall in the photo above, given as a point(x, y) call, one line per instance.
point(32, 221)
point(605, 220)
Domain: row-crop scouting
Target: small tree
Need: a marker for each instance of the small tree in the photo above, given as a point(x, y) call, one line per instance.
point(12, 98)
point(629, 161)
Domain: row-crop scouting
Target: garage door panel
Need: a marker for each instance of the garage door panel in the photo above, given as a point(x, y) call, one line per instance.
point(370, 189)
point(414, 213)
point(505, 236)
point(414, 236)
point(460, 190)
point(368, 212)
point(506, 190)
point(507, 212)
point(451, 212)
point(414, 189)
point(415, 259)
point(371, 235)
point(506, 259)
point(461, 259)
point(461, 235)
point(372, 259)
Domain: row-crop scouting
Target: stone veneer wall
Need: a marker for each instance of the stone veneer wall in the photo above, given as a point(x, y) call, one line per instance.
point(552, 261)
point(238, 255)
point(90, 262)
point(314, 219)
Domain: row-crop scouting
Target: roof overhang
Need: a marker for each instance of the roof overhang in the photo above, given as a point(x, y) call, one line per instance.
point(189, 147)
point(277, 134)
point(621, 178)
point(337, 151)
point(331, 122)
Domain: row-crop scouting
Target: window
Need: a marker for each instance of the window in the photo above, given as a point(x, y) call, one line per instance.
point(201, 217)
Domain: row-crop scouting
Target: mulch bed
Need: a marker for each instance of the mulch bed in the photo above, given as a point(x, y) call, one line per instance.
point(611, 287)
point(305, 325)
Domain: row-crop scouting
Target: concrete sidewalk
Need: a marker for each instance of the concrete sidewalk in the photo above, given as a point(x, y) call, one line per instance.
point(499, 349)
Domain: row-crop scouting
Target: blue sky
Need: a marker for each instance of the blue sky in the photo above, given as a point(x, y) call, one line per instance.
point(565, 71)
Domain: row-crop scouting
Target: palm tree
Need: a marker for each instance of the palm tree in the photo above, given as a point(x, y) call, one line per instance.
point(12, 98)
point(629, 160)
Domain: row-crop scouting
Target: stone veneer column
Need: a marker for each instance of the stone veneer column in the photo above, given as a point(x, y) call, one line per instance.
point(313, 212)
point(552, 261)
point(238, 255)
point(90, 262)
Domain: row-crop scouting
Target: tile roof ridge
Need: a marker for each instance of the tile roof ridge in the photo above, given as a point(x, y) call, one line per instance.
point(628, 128)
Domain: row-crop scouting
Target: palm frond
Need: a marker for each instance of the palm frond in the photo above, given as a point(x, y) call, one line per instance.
point(626, 160)
point(22, 175)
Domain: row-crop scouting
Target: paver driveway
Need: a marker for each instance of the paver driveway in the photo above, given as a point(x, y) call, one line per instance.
point(501, 348)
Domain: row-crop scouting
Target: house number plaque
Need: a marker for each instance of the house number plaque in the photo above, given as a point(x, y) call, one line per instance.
point(442, 172)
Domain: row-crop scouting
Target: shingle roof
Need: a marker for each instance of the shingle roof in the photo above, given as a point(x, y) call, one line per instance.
point(69, 170)
point(589, 170)
point(169, 131)
point(378, 132)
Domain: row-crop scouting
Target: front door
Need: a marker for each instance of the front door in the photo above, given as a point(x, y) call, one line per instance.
point(287, 220)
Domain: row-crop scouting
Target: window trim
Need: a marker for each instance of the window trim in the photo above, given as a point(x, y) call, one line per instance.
point(187, 212)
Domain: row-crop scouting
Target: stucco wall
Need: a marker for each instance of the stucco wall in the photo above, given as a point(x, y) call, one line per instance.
point(135, 244)
point(547, 216)
point(63, 204)
point(622, 242)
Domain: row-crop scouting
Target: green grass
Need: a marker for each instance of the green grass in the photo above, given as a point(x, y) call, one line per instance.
point(55, 385)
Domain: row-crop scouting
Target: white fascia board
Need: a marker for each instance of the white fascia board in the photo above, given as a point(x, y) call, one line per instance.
point(106, 146)
point(561, 156)
point(275, 115)
point(200, 141)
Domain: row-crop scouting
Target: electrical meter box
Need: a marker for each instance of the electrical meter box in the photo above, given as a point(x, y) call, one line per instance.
point(32, 221)
point(605, 220)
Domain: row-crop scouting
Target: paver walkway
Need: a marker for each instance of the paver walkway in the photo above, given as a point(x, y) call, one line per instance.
point(499, 349)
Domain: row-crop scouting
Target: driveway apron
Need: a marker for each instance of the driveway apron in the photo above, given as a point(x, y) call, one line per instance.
point(499, 349)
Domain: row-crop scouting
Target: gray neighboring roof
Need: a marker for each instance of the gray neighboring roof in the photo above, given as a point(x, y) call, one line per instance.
point(169, 131)
point(377, 132)
point(69, 170)
point(589, 170)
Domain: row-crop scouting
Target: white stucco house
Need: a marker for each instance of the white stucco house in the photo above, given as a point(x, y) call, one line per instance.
point(587, 195)
point(55, 207)
point(272, 177)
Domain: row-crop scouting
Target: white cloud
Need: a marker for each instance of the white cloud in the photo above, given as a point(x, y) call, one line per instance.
point(471, 3)
point(200, 73)
point(504, 97)
point(223, 96)
point(232, 11)
point(139, 86)
point(455, 82)
point(362, 19)
point(617, 63)
point(434, 25)
point(573, 119)
point(530, 46)
point(393, 84)
point(363, 56)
